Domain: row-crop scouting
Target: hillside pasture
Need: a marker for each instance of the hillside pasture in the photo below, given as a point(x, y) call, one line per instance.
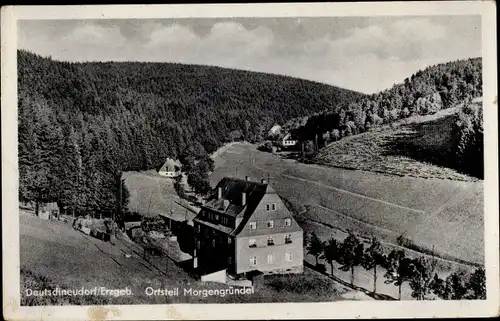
point(152, 194)
point(419, 146)
point(52, 254)
point(428, 213)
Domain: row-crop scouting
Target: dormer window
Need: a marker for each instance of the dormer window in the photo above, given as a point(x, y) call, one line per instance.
point(253, 225)
point(270, 224)
point(288, 221)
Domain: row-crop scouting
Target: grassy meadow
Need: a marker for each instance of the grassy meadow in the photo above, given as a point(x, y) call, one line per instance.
point(53, 254)
point(419, 146)
point(387, 206)
point(152, 194)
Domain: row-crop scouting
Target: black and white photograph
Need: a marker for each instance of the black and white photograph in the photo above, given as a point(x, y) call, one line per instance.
point(217, 159)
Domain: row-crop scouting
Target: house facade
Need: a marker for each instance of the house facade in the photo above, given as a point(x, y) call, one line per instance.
point(49, 211)
point(245, 227)
point(288, 140)
point(171, 168)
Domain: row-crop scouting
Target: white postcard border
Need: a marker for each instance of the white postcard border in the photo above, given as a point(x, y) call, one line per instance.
point(344, 309)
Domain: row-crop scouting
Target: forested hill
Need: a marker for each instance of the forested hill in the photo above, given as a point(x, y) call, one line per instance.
point(81, 123)
point(425, 92)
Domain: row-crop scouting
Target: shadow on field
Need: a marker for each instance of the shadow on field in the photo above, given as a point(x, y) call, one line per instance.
point(429, 142)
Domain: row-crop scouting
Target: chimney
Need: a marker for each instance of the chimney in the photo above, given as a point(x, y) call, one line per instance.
point(219, 193)
point(243, 199)
point(263, 181)
point(247, 178)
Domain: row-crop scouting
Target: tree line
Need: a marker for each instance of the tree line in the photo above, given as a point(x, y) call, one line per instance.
point(82, 124)
point(425, 92)
point(420, 274)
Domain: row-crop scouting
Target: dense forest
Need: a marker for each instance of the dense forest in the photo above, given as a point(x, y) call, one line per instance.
point(82, 124)
point(426, 92)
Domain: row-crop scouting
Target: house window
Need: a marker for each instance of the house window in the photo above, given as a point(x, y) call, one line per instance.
point(253, 225)
point(288, 256)
point(267, 207)
point(229, 240)
point(288, 222)
point(198, 244)
point(270, 258)
point(253, 261)
point(216, 217)
point(270, 224)
point(213, 242)
point(270, 240)
point(273, 206)
point(198, 228)
point(229, 260)
point(288, 239)
point(252, 243)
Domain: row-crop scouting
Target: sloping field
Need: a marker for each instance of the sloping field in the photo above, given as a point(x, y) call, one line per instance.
point(419, 146)
point(69, 259)
point(151, 194)
point(444, 214)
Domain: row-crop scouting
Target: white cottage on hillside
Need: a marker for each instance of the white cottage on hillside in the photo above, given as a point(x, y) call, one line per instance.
point(171, 168)
point(289, 140)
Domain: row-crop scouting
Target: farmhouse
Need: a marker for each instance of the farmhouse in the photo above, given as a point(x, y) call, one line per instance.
point(49, 211)
point(245, 227)
point(171, 168)
point(289, 140)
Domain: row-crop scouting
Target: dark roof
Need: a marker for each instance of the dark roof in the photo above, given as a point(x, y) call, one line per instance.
point(291, 136)
point(232, 191)
point(230, 204)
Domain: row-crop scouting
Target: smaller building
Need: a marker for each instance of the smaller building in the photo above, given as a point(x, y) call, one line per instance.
point(171, 168)
point(49, 211)
point(289, 140)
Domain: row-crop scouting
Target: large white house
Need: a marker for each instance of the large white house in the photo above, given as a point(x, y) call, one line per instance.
point(171, 168)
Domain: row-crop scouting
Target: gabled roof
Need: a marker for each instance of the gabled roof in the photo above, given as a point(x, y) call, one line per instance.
point(231, 204)
point(170, 165)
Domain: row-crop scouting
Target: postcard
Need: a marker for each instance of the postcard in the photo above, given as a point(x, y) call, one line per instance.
point(250, 161)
